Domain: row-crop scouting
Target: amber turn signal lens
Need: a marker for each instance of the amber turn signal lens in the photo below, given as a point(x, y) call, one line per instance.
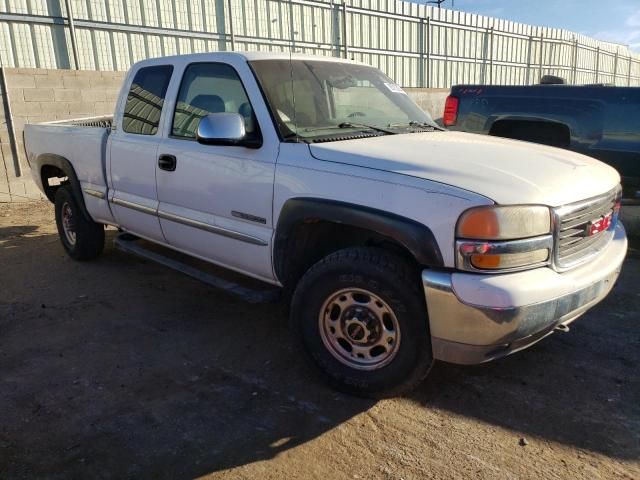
point(479, 223)
point(492, 261)
point(485, 261)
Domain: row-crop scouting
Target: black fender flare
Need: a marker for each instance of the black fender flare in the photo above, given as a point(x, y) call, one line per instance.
point(66, 167)
point(417, 238)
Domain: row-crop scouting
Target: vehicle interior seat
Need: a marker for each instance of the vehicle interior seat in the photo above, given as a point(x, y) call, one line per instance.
point(209, 103)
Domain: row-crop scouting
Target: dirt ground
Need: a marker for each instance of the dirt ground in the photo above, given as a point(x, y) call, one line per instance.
point(121, 368)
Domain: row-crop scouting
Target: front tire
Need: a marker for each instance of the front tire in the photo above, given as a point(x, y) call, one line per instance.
point(361, 318)
point(82, 239)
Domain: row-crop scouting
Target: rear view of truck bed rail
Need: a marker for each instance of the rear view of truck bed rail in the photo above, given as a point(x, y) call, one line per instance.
point(104, 121)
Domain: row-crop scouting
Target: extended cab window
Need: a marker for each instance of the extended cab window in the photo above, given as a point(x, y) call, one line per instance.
point(145, 99)
point(210, 88)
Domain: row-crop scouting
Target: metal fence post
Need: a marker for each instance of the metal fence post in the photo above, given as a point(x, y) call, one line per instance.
point(477, 75)
point(345, 38)
point(485, 57)
point(72, 32)
point(221, 24)
point(445, 64)
point(540, 56)
point(597, 63)
point(629, 72)
point(574, 66)
point(615, 67)
point(58, 36)
point(421, 27)
point(491, 56)
point(336, 30)
point(529, 49)
point(10, 127)
point(231, 32)
point(292, 32)
point(428, 34)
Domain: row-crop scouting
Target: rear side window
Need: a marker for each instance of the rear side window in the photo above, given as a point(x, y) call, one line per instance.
point(145, 100)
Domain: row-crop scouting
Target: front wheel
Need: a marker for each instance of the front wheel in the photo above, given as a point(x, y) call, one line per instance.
point(82, 239)
point(361, 317)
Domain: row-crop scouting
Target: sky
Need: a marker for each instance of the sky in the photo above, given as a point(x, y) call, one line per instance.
point(612, 20)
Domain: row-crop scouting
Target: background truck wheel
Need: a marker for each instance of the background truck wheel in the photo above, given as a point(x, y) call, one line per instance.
point(361, 317)
point(82, 239)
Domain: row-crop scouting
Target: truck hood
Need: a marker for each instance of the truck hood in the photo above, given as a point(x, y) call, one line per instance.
point(506, 171)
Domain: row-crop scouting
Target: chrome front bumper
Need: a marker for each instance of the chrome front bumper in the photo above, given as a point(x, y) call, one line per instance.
point(476, 318)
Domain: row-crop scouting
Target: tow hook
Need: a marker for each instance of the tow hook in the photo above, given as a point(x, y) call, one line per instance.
point(562, 328)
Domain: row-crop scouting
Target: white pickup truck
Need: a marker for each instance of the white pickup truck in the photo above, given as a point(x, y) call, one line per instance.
point(396, 242)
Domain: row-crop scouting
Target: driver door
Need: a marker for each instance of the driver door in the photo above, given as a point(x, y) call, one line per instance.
point(216, 201)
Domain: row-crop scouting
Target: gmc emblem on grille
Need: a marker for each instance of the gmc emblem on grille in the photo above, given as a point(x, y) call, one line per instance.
point(598, 225)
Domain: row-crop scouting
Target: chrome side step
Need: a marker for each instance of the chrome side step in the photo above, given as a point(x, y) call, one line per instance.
point(129, 244)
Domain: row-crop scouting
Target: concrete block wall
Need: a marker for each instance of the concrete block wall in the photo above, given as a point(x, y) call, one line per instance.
point(41, 95)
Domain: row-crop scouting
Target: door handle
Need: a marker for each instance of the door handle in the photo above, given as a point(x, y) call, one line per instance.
point(167, 162)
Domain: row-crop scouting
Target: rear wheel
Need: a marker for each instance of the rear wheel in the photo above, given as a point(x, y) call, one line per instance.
point(82, 239)
point(361, 317)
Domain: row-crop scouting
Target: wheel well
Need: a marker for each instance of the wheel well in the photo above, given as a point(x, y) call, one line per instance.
point(546, 133)
point(57, 171)
point(310, 241)
point(52, 178)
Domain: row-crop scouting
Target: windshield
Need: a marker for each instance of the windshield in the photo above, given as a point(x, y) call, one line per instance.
point(312, 99)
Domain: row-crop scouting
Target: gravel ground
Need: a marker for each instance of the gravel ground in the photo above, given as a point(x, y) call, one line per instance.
point(120, 368)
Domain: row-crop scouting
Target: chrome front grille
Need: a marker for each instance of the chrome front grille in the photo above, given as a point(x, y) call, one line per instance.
point(573, 246)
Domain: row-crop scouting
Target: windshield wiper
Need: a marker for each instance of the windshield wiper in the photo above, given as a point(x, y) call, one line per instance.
point(413, 124)
point(364, 125)
point(349, 125)
point(291, 137)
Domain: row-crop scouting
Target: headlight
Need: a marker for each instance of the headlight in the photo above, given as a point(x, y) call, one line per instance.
point(505, 238)
point(504, 223)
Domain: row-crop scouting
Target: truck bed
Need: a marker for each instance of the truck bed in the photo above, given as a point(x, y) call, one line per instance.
point(82, 142)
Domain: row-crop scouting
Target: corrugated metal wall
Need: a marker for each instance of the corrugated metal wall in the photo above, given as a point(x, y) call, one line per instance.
point(416, 45)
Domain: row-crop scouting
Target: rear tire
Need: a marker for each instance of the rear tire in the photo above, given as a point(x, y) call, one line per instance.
point(82, 239)
point(361, 317)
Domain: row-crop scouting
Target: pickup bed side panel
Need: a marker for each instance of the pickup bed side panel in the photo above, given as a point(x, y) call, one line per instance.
point(84, 149)
point(479, 111)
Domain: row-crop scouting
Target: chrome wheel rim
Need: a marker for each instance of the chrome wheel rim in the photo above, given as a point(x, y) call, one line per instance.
point(68, 224)
point(359, 329)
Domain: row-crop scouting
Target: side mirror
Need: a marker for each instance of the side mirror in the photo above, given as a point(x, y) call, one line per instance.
point(221, 129)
